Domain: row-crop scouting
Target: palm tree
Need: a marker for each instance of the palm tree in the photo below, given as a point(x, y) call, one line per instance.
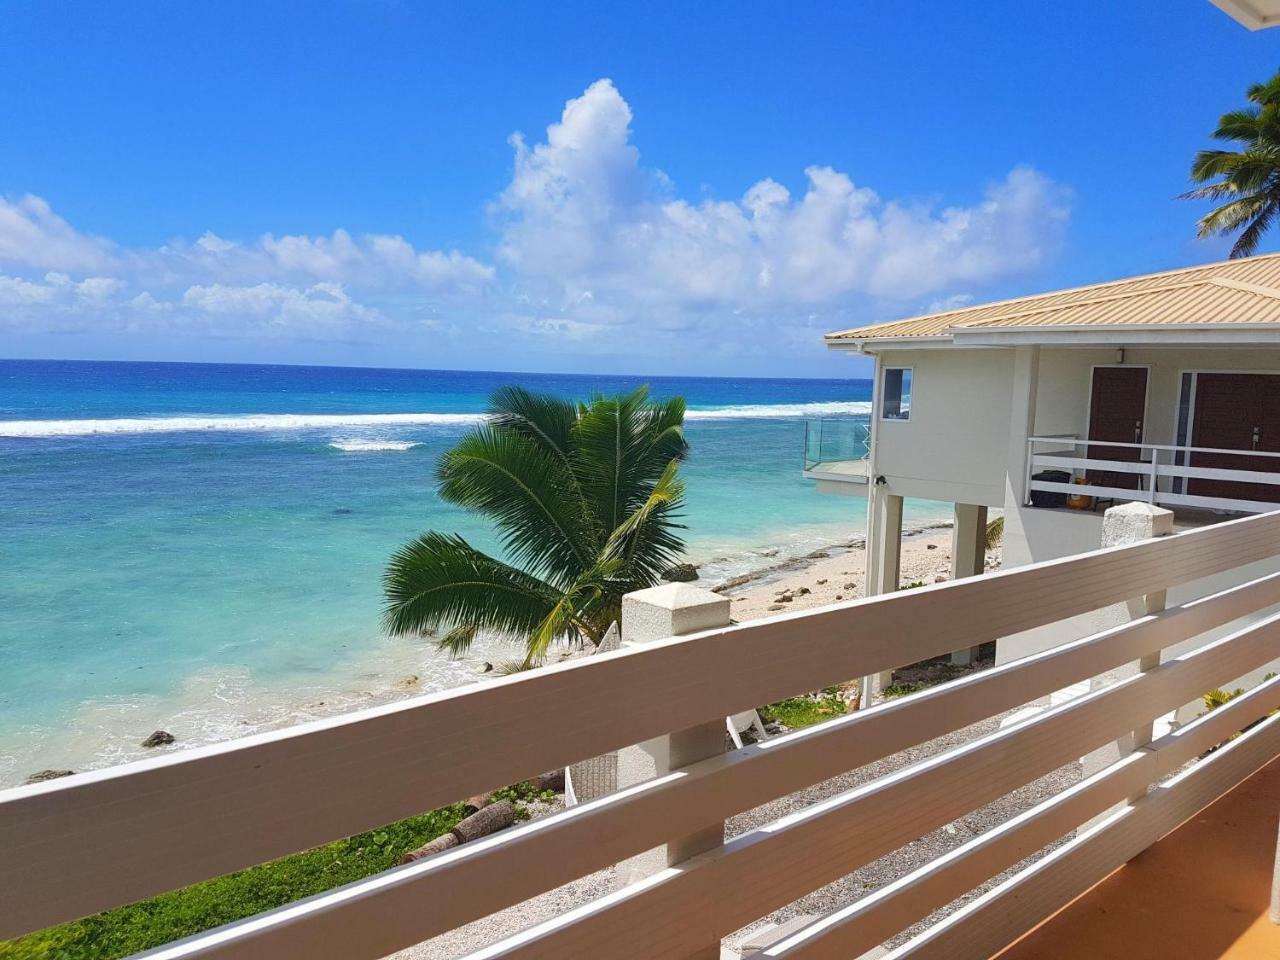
point(585, 498)
point(1248, 179)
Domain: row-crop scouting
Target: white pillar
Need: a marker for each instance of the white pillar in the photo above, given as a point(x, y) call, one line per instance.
point(1022, 421)
point(883, 575)
point(884, 554)
point(655, 614)
point(1131, 523)
point(968, 555)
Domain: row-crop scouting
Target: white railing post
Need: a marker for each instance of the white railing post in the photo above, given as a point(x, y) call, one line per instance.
point(1132, 523)
point(1026, 480)
point(655, 614)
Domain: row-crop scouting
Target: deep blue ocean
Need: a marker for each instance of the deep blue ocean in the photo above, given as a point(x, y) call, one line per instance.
point(198, 547)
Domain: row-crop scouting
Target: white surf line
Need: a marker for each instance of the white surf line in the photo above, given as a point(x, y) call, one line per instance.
point(307, 421)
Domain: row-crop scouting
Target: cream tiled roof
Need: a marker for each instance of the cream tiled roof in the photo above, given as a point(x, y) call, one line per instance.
point(1231, 292)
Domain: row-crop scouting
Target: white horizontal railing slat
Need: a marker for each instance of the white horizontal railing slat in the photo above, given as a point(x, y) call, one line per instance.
point(852, 930)
point(671, 914)
point(1091, 490)
point(1002, 915)
point(276, 793)
point(486, 876)
point(1143, 468)
point(1088, 463)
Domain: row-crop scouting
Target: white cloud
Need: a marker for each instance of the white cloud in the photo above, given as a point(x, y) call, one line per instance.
point(32, 235)
point(594, 245)
point(583, 216)
point(319, 306)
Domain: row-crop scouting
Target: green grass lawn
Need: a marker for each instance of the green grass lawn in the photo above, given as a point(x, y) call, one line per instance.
point(171, 916)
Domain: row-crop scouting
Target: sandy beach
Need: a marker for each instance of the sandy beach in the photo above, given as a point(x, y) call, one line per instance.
point(838, 573)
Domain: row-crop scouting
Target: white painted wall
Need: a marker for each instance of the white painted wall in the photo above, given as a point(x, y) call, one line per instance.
point(954, 446)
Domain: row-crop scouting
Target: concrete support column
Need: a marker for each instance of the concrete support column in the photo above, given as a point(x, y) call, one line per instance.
point(968, 555)
point(884, 552)
point(655, 614)
point(886, 549)
point(1131, 523)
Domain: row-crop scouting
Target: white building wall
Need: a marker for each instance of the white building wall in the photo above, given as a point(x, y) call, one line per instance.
point(954, 446)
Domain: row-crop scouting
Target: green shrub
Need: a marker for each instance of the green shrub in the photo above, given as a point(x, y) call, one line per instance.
point(797, 712)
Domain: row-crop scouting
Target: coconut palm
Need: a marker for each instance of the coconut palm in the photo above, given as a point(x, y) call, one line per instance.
point(585, 498)
point(1248, 179)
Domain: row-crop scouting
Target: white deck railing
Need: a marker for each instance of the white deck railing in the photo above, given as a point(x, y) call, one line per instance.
point(1162, 471)
point(86, 843)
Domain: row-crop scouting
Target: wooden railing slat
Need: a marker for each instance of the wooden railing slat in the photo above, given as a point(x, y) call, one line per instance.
point(279, 792)
point(774, 865)
point(996, 919)
point(484, 877)
point(856, 928)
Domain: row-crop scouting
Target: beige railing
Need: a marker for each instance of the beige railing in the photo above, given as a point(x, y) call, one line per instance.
point(97, 840)
point(1161, 473)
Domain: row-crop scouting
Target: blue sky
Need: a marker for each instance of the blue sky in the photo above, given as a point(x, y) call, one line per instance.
point(376, 182)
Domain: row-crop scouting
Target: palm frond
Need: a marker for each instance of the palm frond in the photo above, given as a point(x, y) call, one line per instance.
point(1248, 240)
point(646, 543)
point(516, 483)
point(585, 499)
point(1248, 179)
point(440, 582)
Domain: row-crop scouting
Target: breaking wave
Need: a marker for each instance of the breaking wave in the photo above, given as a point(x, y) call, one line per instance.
point(284, 422)
point(257, 421)
point(782, 411)
point(373, 446)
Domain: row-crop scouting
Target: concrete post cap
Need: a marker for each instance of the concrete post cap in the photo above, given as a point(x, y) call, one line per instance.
point(674, 596)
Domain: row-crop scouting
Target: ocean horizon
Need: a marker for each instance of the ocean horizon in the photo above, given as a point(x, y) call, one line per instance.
point(199, 547)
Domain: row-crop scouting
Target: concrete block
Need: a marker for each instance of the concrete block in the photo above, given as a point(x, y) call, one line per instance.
point(1135, 522)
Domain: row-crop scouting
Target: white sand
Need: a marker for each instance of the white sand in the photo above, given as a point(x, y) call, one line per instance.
point(926, 558)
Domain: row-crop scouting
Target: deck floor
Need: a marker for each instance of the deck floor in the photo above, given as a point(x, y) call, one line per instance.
point(1201, 893)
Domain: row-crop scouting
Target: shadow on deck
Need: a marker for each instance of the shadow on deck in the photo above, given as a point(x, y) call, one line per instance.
point(1201, 893)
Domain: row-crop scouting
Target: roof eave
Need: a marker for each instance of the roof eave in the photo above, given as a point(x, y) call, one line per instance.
point(847, 344)
point(1201, 334)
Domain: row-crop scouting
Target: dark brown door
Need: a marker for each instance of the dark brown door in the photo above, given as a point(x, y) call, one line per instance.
point(1117, 406)
point(1236, 411)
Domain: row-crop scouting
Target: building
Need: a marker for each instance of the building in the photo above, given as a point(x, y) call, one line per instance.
point(1162, 388)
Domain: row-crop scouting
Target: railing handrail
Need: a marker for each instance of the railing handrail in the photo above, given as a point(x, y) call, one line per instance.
point(1079, 442)
point(279, 792)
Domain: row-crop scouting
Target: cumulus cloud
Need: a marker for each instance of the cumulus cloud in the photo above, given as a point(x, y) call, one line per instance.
point(590, 242)
point(298, 282)
point(320, 305)
point(32, 235)
point(585, 217)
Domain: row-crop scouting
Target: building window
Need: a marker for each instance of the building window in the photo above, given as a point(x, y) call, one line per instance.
point(895, 400)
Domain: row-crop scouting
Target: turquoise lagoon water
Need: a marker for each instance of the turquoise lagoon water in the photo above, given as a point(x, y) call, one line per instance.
point(198, 547)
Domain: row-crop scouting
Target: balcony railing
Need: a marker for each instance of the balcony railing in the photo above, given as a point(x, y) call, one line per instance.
point(828, 442)
point(86, 843)
point(1171, 476)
